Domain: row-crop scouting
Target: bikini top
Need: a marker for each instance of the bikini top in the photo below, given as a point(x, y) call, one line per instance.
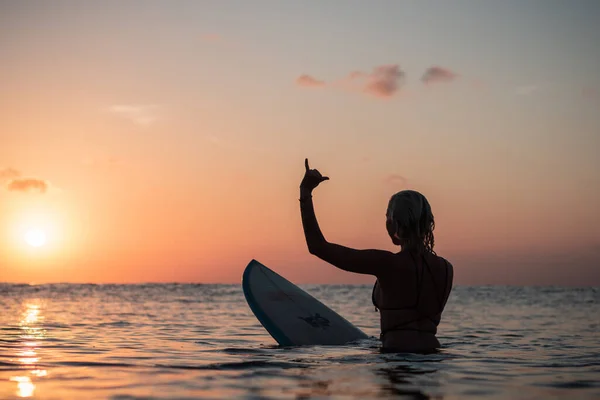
point(420, 275)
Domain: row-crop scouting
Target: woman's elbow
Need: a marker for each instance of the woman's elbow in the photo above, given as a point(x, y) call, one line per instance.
point(316, 249)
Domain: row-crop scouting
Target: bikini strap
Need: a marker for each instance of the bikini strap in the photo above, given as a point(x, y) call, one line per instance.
point(436, 287)
point(446, 280)
point(419, 280)
point(373, 295)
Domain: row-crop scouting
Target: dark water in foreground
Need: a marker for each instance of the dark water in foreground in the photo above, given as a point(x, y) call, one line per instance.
point(201, 341)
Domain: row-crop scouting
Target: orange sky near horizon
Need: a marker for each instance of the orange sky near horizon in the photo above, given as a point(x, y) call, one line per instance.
point(162, 159)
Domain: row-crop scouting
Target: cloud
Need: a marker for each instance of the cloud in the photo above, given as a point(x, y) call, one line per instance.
point(9, 173)
point(16, 183)
point(437, 74)
point(143, 115)
point(309, 81)
point(28, 185)
point(384, 81)
point(396, 180)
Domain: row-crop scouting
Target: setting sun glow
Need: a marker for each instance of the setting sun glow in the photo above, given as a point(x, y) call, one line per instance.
point(35, 237)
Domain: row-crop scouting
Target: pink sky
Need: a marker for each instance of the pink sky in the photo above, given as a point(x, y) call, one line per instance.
point(151, 146)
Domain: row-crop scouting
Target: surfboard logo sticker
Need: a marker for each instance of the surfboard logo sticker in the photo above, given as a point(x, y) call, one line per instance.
point(316, 321)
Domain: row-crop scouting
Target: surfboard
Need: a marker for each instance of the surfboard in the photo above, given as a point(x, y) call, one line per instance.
point(290, 315)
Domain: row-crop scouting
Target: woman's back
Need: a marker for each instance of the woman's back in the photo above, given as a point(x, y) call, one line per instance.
point(411, 296)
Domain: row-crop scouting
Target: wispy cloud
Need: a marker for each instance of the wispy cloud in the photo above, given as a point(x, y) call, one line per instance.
point(309, 81)
point(396, 180)
point(438, 74)
point(15, 183)
point(139, 114)
point(28, 185)
point(383, 81)
point(9, 173)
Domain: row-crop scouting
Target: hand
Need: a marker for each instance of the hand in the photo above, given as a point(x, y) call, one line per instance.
point(312, 178)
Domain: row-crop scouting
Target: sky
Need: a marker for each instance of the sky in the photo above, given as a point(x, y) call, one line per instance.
point(148, 141)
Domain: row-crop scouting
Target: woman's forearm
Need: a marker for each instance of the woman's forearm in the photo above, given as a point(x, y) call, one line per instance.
point(314, 237)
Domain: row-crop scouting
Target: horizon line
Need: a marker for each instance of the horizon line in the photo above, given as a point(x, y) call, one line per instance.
point(297, 284)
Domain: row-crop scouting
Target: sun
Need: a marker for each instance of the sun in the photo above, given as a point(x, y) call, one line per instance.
point(35, 237)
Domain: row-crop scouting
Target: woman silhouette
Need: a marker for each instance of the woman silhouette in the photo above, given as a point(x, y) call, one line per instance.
point(412, 286)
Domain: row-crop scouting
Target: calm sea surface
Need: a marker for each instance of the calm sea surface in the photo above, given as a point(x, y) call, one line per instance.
point(69, 341)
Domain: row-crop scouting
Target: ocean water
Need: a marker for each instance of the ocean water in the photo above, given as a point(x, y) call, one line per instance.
point(68, 341)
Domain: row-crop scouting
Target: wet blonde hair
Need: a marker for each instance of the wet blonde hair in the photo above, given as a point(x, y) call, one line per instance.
point(410, 213)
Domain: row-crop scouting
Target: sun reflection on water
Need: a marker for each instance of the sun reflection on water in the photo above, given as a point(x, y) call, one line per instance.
point(32, 314)
point(25, 387)
point(32, 333)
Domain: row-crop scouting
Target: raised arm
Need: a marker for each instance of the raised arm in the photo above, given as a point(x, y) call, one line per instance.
point(372, 262)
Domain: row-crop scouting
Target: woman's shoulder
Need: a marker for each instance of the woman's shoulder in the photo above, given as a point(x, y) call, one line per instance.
point(442, 261)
